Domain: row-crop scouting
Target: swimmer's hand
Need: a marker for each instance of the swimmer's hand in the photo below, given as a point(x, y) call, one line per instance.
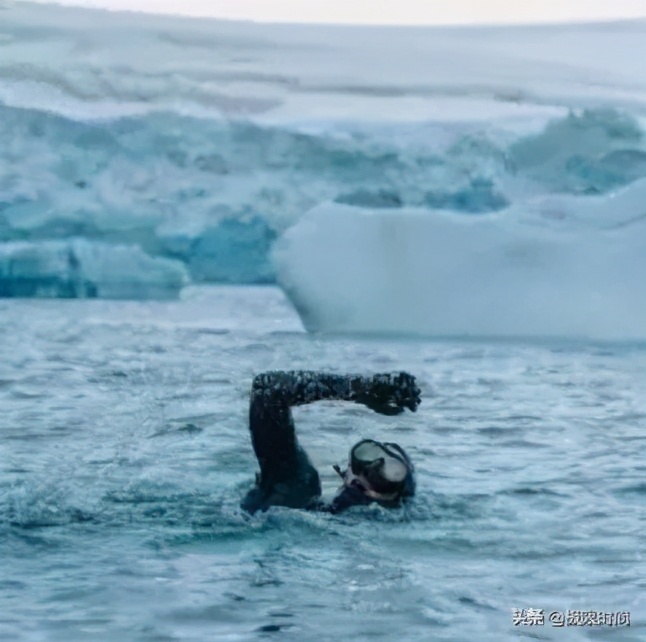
point(389, 394)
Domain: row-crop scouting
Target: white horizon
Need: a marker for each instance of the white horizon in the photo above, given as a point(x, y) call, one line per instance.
point(383, 12)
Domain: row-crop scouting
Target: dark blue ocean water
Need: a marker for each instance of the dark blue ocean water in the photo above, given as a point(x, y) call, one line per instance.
point(124, 452)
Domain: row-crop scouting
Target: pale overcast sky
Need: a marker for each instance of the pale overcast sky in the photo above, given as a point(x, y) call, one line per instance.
point(386, 11)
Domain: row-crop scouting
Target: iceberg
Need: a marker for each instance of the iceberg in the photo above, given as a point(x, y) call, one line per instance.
point(549, 272)
point(82, 269)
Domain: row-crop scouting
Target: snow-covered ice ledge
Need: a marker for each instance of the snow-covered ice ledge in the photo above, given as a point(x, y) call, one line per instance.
point(78, 269)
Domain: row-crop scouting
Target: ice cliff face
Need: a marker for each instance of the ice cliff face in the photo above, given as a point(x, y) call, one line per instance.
point(193, 146)
point(215, 195)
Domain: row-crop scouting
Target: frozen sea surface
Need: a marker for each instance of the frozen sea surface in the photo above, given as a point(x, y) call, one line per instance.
point(125, 452)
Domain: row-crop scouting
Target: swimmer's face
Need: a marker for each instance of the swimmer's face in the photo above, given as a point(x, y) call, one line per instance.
point(376, 472)
point(358, 482)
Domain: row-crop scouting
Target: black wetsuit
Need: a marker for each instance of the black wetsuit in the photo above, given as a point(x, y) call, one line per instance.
point(287, 477)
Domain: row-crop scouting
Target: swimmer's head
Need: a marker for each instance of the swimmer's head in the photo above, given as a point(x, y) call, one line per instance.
point(376, 472)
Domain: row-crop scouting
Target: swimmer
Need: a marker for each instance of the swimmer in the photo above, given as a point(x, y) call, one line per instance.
point(376, 472)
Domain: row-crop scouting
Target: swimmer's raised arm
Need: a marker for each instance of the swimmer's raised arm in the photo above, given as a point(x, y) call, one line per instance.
point(387, 394)
point(287, 477)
